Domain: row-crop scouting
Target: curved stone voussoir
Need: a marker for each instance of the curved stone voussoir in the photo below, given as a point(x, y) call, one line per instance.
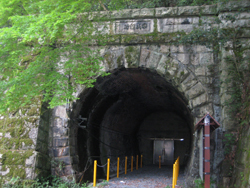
point(132, 55)
point(200, 111)
point(195, 91)
point(114, 58)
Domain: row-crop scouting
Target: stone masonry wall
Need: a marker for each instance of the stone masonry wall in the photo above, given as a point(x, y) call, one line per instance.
point(36, 141)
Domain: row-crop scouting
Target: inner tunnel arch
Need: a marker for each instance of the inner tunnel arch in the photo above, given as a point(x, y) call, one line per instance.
point(125, 111)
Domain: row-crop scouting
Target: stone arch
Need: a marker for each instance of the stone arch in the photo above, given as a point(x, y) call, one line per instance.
point(170, 63)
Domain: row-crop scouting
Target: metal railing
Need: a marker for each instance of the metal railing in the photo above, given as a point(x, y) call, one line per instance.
point(118, 165)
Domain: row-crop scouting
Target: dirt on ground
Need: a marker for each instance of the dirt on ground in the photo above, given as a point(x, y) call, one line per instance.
point(145, 177)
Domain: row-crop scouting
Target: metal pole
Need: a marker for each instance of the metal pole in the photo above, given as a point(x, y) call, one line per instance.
point(94, 176)
point(132, 163)
point(141, 161)
point(126, 163)
point(159, 161)
point(173, 182)
point(118, 162)
point(207, 151)
point(137, 159)
point(108, 167)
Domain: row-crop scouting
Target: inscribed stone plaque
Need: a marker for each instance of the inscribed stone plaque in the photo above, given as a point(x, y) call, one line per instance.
point(133, 26)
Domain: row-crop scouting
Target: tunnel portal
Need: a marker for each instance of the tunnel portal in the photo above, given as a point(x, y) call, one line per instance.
point(127, 111)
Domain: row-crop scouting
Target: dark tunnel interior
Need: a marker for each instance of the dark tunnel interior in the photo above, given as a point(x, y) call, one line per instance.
point(128, 113)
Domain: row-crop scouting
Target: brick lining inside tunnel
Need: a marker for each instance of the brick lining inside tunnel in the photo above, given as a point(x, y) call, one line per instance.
point(124, 110)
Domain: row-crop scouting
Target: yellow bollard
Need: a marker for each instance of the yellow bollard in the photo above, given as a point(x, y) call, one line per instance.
point(137, 162)
point(132, 163)
point(173, 182)
point(159, 161)
point(94, 176)
point(108, 166)
point(126, 163)
point(118, 161)
point(141, 161)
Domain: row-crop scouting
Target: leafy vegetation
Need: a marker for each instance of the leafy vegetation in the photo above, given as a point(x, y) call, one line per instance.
point(39, 38)
point(16, 182)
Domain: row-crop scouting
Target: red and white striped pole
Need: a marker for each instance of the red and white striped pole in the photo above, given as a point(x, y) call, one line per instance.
point(207, 151)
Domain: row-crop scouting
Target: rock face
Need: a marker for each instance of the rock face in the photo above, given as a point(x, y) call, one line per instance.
point(146, 63)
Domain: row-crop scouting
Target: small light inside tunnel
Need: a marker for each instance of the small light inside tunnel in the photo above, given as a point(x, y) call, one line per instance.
point(182, 139)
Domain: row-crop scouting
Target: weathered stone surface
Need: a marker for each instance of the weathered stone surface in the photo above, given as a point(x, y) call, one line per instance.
point(189, 10)
point(60, 111)
point(161, 67)
point(61, 142)
point(206, 59)
point(208, 9)
point(132, 55)
point(189, 82)
point(143, 13)
point(181, 57)
point(153, 60)
point(58, 152)
point(202, 99)
point(133, 26)
point(168, 11)
point(195, 91)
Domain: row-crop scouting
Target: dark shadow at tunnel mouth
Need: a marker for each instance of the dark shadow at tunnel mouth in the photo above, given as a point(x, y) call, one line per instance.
point(125, 110)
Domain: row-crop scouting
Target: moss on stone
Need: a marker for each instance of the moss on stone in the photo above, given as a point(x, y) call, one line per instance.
point(119, 61)
point(16, 171)
point(15, 157)
point(9, 143)
point(33, 111)
point(131, 55)
point(27, 142)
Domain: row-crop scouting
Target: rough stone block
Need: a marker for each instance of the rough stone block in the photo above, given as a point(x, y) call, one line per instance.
point(185, 28)
point(153, 60)
point(188, 82)
point(189, 10)
point(233, 5)
point(168, 11)
point(66, 160)
point(29, 162)
point(165, 49)
point(60, 142)
point(208, 9)
point(195, 91)
point(125, 14)
point(59, 132)
point(59, 152)
point(144, 57)
point(199, 100)
point(206, 59)
point(194, 59)
point(202, 48)
point(60, 111)
point(182, 58)
point(132, 56)
point(143, 13)
point(161, 67)
point(200, 71)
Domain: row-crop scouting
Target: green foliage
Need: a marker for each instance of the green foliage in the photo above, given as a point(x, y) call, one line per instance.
point(38, 40)
point(199, 183)
point(229, 141)
point(17, 182)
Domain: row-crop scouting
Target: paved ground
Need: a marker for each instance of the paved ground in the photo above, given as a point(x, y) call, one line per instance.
point(146, 177)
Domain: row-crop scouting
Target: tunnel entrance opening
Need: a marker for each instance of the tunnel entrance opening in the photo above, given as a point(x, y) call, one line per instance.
point(126, 111)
